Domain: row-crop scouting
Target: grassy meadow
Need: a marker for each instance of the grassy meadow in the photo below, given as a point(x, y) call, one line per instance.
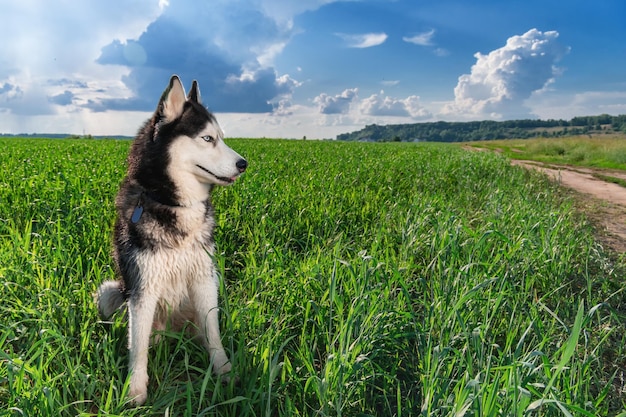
point(600, 151)
point(359, 279)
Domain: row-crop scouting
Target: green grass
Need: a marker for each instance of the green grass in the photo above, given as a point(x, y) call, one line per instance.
point(602, 151)
point(358, 279)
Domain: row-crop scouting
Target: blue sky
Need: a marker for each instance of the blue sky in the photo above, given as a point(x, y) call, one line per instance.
point(315, 68)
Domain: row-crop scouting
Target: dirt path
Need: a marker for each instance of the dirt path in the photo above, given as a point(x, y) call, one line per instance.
point(604, 202)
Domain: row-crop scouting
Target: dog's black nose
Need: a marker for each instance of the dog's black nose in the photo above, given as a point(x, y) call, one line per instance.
point(242, 164)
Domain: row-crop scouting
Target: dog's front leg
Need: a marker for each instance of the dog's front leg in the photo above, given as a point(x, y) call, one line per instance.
point(141, 314)
point(205, 295)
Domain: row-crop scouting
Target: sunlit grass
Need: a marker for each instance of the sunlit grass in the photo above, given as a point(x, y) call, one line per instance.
point(602, 151)
point(358, 279)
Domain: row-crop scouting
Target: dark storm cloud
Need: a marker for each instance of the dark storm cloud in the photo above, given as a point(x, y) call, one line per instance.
point(193, 43)
point(62, 99)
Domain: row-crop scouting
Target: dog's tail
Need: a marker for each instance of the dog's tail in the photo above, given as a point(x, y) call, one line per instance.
point(110, 297)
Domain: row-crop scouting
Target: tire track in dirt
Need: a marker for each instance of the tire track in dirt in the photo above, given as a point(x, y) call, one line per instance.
point(603, 202)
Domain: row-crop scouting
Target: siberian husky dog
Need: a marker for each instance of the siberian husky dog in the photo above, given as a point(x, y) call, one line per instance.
point(163, 238)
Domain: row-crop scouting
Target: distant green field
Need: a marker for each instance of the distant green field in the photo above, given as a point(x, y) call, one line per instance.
point(358, 279)
point(601, 151)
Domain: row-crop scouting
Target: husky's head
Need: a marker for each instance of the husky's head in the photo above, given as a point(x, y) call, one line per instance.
point(190, 142)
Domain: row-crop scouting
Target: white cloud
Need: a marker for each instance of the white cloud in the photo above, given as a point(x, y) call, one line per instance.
point(500, 81)
point(427, 39)
point(365, 40)
point(52, 37)
point(302, 121)
point(50, 57)
point(611, 102)
point(284, 10)
point(346, 108)
point(379, 105)
point(267, 53)
point(555, 105)
point(337, 104)
point(422, 39)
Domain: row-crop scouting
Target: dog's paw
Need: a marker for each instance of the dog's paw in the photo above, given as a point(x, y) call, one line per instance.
point(225, 374)
point(137, 398)
point(138, 391)
point(221, 364)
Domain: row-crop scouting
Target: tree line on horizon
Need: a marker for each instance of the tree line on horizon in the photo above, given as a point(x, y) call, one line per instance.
point(488, 130)
point(61, 136)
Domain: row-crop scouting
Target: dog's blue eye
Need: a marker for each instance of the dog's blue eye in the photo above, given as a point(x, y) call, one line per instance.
point(208, 138)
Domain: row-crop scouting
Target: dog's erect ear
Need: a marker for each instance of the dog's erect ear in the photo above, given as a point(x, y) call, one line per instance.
point(194, 93)
point(172, 100)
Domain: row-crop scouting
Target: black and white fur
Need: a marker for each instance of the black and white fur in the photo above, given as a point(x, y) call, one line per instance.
point(163, 237)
